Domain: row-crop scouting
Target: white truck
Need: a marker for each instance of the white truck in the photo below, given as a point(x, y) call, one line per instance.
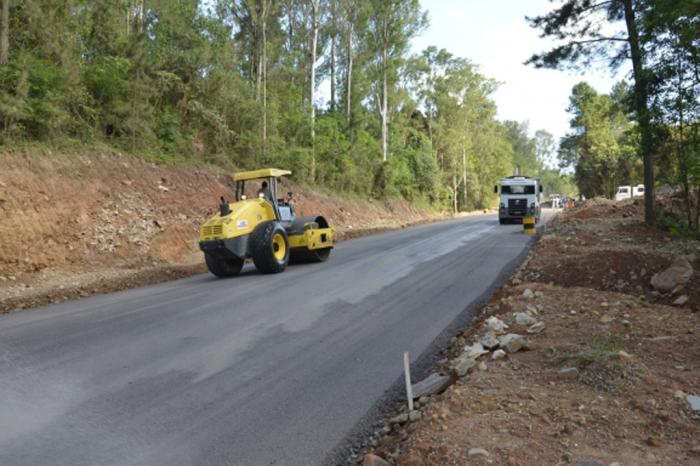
point(520, 197)
point(628, 192)
point(557, 202)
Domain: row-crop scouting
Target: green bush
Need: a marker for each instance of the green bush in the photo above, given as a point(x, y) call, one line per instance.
point(296, 159)
point(34, 98)
point(675, 224)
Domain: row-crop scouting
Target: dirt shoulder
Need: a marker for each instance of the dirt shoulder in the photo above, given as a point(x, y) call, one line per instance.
point(607, 369)
point(72, 225)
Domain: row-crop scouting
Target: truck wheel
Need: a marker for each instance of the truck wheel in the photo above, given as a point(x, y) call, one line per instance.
point(270, 247)
point(502, 221)
point(223, 267)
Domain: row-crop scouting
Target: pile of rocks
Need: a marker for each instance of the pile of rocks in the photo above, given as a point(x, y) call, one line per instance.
point(673, 280)
point(497, 341)
point(126, 218)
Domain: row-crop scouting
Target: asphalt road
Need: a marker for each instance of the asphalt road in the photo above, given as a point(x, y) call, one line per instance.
point(252, 370)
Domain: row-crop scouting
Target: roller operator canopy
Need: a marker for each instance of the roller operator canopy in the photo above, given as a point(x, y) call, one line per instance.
point(261, 173)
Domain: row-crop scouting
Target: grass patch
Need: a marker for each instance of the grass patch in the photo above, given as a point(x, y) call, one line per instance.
point(601, 349)
point(602, 367)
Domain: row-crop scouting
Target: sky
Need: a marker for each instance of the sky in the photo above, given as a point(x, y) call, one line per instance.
point(494, 35)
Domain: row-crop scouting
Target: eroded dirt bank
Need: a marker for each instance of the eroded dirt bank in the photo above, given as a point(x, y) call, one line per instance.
point(77, 224)
point(609, 364)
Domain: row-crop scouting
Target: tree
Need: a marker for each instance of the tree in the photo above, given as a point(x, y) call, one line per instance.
point(675, 91)
point(598, 146)
point(349, 13)
point(254, 18)
point(392, 24)
point(4, 31)
point(581, 24)
point(235, 83)
point(545, 148)
point(315, 7)
point(525, 161)
point(333, 32)
point(459, 119)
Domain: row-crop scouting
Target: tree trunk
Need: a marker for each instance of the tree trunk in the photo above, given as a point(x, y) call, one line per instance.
point(683, 168)
point(290, 30)
point(429, 112)
point(142, 12)
point(348, 78)
point(258, 65)
point(333, 74)
point(429, 106)
point(334, 38)
point(697, 209)
point(385, 106)
point(264, 80)
point(5, 32)
point(643, 116)
point(464, 176)
point(312, 83)
point(454, 192)
point(385, 97)
point(260, 47)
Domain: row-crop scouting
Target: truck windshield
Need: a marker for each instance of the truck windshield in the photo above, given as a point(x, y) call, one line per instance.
point(518, 189)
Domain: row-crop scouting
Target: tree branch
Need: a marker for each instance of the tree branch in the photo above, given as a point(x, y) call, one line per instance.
point(599, 39)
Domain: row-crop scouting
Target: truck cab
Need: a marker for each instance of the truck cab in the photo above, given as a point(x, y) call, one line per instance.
point(519, 198)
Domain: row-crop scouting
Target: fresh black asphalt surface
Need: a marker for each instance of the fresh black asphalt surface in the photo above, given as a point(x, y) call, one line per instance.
point(252, 370)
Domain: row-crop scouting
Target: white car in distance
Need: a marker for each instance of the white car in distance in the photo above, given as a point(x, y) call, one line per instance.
point(628, 192)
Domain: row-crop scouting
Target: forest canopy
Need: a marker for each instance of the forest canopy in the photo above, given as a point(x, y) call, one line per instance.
point(237, 83)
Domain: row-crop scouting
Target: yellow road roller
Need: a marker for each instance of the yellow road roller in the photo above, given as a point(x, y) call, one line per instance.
point(263, 227)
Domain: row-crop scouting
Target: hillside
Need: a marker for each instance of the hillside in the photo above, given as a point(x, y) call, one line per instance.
point(78, 223)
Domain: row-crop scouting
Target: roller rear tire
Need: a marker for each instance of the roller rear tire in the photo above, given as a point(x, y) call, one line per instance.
point(270, 247)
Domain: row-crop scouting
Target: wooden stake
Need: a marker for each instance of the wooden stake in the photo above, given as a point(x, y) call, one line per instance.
point(407, 378)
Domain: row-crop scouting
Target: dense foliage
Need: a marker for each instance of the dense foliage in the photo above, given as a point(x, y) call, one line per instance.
point(601, 146)
point(657, 120)
point(237, 83)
